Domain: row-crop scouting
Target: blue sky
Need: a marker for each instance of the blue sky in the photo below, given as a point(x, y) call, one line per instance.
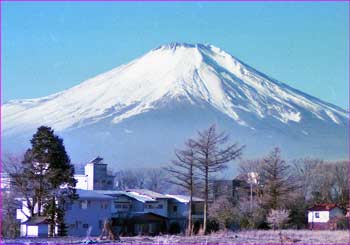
point(48, 47)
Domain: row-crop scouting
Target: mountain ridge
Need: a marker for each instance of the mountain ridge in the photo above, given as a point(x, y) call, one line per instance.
point(179, 77)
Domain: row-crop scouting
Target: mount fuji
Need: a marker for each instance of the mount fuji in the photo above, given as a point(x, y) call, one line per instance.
point(137, 114)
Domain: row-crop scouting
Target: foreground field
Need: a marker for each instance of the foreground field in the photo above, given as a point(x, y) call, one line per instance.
point(246, 237)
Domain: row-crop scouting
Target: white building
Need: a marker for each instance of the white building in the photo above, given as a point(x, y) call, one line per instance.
point(324, 216)
point(35, 227)
point(5, 182)
point(95, 176)
point(135, 211)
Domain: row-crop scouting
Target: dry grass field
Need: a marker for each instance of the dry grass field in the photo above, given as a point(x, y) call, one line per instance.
point(242, 237)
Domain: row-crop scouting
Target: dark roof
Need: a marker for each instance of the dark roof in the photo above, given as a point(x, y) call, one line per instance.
point(323, 207)
point(37, 220)
point(97, 160)
point(145, 215)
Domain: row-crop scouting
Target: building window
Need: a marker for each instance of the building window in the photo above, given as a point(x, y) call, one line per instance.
point(77, 223)
point(174, 208)
point(160, 206)
point(104, 204)
point(86, 226)
point(317, 215)
point(85, 204)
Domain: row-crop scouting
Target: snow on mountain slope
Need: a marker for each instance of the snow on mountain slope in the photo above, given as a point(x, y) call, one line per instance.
point(193, 75)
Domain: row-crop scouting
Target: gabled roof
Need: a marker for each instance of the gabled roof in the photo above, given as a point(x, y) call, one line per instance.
point(184, 199)
point(144, 214)
point(149, 193)
point(144, 195)
point(134, 195)
point(87, 194)
point(323, 207)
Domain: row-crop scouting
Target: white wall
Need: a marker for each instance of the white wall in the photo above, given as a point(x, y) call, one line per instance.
point(82, 181)
point(323, 216)
point(23, 212)
point(89, 171)
point(32, 231)
point(23, 230)
point(5, 183)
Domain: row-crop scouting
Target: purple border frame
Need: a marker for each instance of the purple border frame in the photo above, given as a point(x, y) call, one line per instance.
point(174, 0)
point(217, 1)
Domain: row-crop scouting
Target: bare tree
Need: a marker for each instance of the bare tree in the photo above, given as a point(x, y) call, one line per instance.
point(183, 172)
point(305, 172)
point(156, 179)
point(23, 181)
point(341, 183)
point(9, 224)
point(212, 155)
point(131, 179)
point(317, 180)
point(150, 178)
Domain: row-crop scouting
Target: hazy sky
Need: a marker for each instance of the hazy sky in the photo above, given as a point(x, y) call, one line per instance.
point(48, 47)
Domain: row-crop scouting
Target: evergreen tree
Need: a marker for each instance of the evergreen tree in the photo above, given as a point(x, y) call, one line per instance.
point(277, 181)
point(47, 161)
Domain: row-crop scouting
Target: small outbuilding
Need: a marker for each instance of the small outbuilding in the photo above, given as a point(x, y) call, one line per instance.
point(35, 227)
point(324, 216)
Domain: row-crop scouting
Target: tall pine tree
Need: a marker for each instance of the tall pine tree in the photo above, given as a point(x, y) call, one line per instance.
point(277, 181)
point(49, 165)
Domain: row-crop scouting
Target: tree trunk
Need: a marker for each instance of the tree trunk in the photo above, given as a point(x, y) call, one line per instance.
point(189, 228)
point(206, 188)
point(53, 216)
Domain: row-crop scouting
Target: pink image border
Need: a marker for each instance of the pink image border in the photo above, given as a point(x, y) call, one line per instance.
point(216, 1)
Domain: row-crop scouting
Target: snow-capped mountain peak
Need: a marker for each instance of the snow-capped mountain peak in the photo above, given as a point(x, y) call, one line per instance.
point(196, 72)
point(171, 84)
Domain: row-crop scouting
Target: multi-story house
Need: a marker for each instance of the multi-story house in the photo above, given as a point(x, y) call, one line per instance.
point(178, 208)
point(86, 215)
point(135, 211)
point(140, 211)
point(83, 217)
point(95, 176)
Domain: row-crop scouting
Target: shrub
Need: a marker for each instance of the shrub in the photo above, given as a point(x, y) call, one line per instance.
point(343, 223)
point(277, 218)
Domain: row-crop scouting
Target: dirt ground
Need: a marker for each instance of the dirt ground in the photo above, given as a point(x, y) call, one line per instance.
point(246, 237)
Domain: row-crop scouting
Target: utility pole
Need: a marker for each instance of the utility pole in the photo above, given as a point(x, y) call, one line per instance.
point(251, 196)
